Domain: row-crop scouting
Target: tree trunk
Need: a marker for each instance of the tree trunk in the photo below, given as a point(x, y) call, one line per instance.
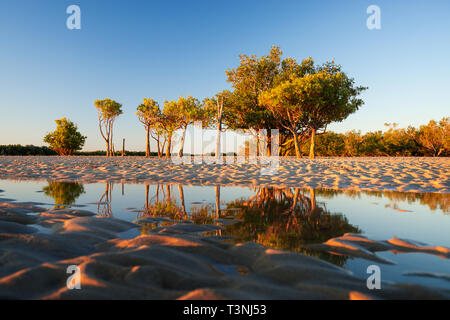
point(147, 149)
point(169, 198)
point(219, 126)
point(312, 149)
point(217, 201)
point(296, 194)
point(298, 152)
point(181, 192)
point(258, 143)
point(147, 187)
point(219, 130)
point(312, 192)
point(111, 143)
point(180, 152)
point(269, 142)
point(107, 148)
point(163, 146)
point(169, 145)
point(159, 148)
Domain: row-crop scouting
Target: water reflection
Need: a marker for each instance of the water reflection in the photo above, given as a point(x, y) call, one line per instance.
point(164, 204)
point(286, 219)
point(434, 201)
point(63, 193)
point(104, 203)
point(282, 218)
point(273, 217)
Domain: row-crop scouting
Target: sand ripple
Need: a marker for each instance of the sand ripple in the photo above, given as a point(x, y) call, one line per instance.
point(176, 262)
point(383, 174)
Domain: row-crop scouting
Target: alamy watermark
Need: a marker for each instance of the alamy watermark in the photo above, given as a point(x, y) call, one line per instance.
point(254, 150)
point(373, 22)
point(73, 22)
point(74, 280)
point(374, 280)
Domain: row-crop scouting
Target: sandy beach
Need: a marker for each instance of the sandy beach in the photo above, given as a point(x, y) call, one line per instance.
point(379, 173)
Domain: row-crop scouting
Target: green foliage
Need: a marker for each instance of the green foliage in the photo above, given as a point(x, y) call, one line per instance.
point(65, 139)
point(329, 144)
point(103, 153)
point(170, 120)
point(202, 215)
point(353, 141)
point(108, 108)
point(64, 193)
point(373, 144)
point(249, 79)
point(328, 96)
point(433, 200)
point(179, 114)
point(28, 150)
point(210, 109)
point(433, 138)
point(286, 219)
point(108, 111)
point(428, 140)
point(149, 112)
point(306, 98)
point(189, 110)
point(150, 116)
point(167, 208)
point(398, 142)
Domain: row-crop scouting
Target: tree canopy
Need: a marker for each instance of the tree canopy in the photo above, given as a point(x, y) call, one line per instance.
point(108, 108)
point(108, 111)
point(434, 138)
point(249, 80)
point(307, 98)
point(149, 115)
point(300, 99)
point(189, 110)
point(170, 122)
point(65, 139)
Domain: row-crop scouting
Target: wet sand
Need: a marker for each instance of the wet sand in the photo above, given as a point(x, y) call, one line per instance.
point(382, 174)
point(173, 262)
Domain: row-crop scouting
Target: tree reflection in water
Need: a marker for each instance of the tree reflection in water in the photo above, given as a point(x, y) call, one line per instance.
point(273, 217)
point(163, 204)
point(434, 201)
point(286, 219)
point(281, 218)
point(104, 204)
point(63, 193)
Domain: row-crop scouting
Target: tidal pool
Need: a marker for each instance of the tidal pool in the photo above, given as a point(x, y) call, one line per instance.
point(286, 219)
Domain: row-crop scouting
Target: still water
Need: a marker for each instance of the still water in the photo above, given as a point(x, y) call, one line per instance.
point(278, 218)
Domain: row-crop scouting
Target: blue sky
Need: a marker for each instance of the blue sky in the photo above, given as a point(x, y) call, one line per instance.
point(128, 50)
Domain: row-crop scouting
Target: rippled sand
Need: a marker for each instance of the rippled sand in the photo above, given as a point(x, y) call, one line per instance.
point(357, 245)
point(172, 262)
point(395, 174)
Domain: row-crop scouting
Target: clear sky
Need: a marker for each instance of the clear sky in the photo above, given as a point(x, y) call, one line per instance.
point(128, 50)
